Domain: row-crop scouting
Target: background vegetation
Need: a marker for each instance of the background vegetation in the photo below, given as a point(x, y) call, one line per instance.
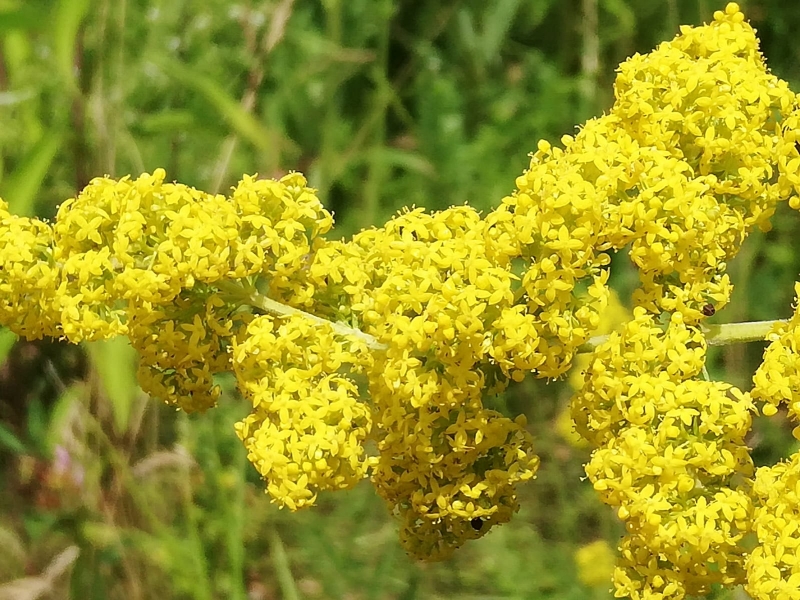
point(383, 104)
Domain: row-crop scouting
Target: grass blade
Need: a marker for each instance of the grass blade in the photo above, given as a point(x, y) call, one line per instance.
point(282, 570)
point(7, 341)
point(232, 112)
point(495, 30)
point(114, 361)
point(11, 442)
point(67, 22)
point(21, 187)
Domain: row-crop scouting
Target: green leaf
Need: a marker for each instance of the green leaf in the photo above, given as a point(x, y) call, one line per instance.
point(21, 187)
point(7, 341)
point(495, 30)
point(66, 25)
point(11, 442)
point(166, 121)
point(25, 16)
point(231, 111)
point(115, 363)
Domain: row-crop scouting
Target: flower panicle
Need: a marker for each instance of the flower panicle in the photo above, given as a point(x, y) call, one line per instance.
point(372, 357)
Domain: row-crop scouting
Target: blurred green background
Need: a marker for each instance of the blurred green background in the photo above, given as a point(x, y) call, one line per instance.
point(383, 104)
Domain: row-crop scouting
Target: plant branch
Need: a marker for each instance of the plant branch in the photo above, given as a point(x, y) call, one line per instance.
point(716, 335)
point(734, 333)
point(250, 296)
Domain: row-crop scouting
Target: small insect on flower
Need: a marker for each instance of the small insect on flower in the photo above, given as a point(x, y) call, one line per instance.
point(709, 310)
point(477, 523)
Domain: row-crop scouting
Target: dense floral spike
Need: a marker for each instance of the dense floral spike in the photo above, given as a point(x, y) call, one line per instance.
point(308, 426)
point(424, 285)
point(777, 380)
point(156, 261)
point(438, 310)
point(441, 469)
point(550, 229)
point(29, 277)
point(773, 571)
point(618, 367)
point(671, 458)
point(704, 130)
point(183, 344)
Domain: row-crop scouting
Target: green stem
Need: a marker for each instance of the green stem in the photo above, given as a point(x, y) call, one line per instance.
point(250, 296)
point(717, 335)
point(283, 571)
point(735, 333)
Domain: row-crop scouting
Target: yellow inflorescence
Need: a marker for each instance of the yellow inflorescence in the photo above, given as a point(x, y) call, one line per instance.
point(777, 380)
point(424, 286)
point(773, 570)
point(671, 458)
point(308, 426)
point(372, 357)
point(28, 276)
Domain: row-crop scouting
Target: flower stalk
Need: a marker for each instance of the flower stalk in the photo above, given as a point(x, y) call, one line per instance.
point(698, 150)
point(251, 297)
point(722, 334)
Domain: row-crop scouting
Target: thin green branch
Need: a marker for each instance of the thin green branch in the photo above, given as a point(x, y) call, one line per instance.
point(737, 333)
point(250, 296)
point(716, 335)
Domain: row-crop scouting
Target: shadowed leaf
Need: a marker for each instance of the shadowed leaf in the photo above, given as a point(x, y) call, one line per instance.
point(25, 16)
point(115, 363)
point(22, 186)
point(242, 122)
point(11, 442)
point(7, 340)
point(66, 24)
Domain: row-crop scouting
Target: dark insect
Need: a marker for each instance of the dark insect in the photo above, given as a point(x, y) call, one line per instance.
point(709, 310)
point(476, 523)
point(797, 145)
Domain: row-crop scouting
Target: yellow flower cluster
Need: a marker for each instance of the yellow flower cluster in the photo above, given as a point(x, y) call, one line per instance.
point(773, 569)
point(696, 151)
point(156, 261)
point(373, 356)
point(28, 277)
point(681, 168)
point(308, 425)
point(671, 458)
point(777, 380)
point(424, 286)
